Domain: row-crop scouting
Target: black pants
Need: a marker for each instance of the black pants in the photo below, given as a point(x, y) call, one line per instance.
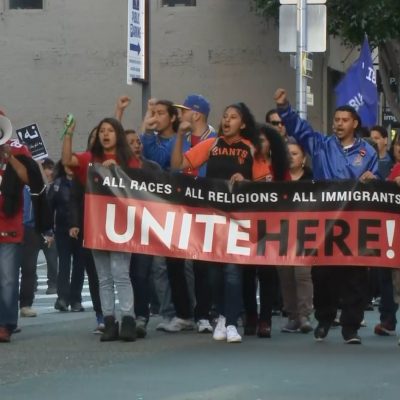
point(387, 306)
point(30, 250)
point(140, 271)
point(180, 291)
point(347, 285)
point(373, 284)
point(268, 282)
point(50, 253)
point(69, 285)
point(93, 279)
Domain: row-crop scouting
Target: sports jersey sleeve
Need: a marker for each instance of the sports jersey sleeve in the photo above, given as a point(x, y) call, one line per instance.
point(18, 149)
point(200, 153)
point(261, 170)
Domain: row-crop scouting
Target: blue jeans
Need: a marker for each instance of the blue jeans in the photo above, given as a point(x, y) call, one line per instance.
point(9, 273)
point(227, 288)
point(162, 287)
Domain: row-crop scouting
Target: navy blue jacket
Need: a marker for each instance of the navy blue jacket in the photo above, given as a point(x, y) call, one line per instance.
point(59, 198)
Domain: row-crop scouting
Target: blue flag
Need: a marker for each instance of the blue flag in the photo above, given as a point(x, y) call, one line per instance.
point(358, 87)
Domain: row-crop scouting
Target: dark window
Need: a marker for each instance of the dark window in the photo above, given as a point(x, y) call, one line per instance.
point(26, 4)
point(173, 3)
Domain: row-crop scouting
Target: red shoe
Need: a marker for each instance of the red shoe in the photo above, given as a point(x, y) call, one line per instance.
point(4, 335)
point(384, 329)
point(264, 329)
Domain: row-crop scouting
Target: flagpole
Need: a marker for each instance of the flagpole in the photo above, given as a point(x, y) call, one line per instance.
point(301, 79)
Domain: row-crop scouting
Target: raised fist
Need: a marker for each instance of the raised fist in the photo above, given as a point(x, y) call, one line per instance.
point(184, 127)
point(123, 102)
point(280, 98)
point(150, 123)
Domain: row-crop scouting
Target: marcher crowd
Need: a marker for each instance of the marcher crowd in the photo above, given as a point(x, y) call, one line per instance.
point(42, 208)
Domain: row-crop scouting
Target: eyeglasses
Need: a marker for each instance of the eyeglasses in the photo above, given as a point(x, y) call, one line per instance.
point(276, 123)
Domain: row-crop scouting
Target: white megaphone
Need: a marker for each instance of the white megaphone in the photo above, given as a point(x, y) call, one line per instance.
point(5, 130)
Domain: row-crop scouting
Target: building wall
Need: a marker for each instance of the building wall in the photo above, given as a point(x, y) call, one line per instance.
point(71, 57)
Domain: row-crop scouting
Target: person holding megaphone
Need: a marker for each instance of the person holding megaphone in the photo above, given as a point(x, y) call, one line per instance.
point(17, 169)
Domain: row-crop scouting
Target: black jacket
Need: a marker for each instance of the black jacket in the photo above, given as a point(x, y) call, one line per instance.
point(11, 188)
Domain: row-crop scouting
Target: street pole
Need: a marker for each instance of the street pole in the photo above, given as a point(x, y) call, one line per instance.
point(146, 85)
point(301, 80)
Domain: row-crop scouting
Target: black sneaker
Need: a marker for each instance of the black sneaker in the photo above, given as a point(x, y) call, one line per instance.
point(141, 328)
point(110, 332)
point(352, 338)
point(321, 332)
point(77, 307)
point(61, 305)
point(128, 329)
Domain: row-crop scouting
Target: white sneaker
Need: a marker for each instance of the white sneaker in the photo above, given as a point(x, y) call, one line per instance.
point(220, 329)
point(27, 312)
point(232, 335)
point(178, 324)
point(203, 326)
point(161, 326)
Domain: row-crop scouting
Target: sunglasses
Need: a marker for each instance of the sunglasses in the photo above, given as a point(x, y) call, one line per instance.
point(276, 123)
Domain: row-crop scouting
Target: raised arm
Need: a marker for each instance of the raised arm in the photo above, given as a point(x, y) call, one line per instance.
point(178, 161)
point(19, 168)
point(149, 116)
point(120, 107)
point(296, 127)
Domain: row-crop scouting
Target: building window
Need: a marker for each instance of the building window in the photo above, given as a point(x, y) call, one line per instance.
point(173, 3)
point(26, 4)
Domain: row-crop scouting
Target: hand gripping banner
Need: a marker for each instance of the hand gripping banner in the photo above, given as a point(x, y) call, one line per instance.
point(262, 223)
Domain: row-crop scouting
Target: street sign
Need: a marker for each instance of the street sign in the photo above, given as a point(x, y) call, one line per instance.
point(137, 40)
point(310, 97)
point(307, 67)
point(307, 64)
point(388, 117)
point(316, 28)
point(308, 1)
point(30, 135)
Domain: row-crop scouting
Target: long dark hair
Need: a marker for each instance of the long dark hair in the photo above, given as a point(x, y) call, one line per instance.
point(123, 151)
point(279, 153)
point(92, 133)
point(249, 132)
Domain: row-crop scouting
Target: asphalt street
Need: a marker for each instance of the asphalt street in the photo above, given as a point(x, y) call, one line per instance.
point(56, 356)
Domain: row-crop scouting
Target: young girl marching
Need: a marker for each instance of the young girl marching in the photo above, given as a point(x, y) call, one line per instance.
point(230, 157)
point(109, 147)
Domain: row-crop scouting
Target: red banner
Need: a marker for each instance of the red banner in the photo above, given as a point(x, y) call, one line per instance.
point(250, 223)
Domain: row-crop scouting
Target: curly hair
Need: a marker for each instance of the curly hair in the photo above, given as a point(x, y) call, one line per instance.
point(249, 132)
point(279, 153)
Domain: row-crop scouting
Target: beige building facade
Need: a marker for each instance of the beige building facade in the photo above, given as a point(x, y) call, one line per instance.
point(70, 56)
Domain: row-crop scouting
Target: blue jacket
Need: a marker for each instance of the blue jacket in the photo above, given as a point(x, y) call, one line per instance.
point(385, 165)
point(158, 149)
point(330, 160)
point(187, 145)
point(28, 215)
